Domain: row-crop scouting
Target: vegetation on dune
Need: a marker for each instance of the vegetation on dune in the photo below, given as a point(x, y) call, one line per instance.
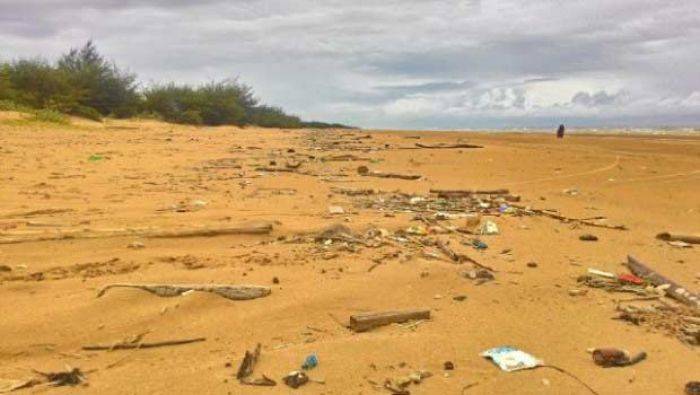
point(85, 84)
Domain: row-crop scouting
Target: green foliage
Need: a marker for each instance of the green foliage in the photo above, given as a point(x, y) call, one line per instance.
point(51, 116)
point(85, 84)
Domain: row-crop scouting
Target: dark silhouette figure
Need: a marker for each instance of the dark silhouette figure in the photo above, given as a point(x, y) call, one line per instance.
point(560, 131)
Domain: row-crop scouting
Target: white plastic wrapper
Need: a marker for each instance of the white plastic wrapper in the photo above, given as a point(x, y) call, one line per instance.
point(511, 359)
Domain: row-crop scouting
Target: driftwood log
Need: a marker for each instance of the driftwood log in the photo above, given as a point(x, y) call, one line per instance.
point(233, 292)
point(673, 289)
point(562, 218)
point(446, 146)
point(367, 321)
point(668, 236)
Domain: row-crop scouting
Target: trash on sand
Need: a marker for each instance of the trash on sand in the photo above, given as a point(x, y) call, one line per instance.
point(365, 171)
point(479, 245)
point(95, 157)
point(367, 321)
point(614, 357)
point(601, 273)
point(692, 388)
point(511, 359)
point(417, 230)
point(588, 237)
point(310, 362)
point(398, 385)
point(671, 288)
point(489, 228)
point(448, 365)
point(630, 278)
point(296, 379)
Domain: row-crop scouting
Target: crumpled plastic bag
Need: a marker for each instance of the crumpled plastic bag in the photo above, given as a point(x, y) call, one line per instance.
point(511, 359)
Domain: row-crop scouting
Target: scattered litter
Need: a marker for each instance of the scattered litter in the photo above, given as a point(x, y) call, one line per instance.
point(448, 365)
point(478, 244)
point(511, 359)
point(295, 379)
point(630, 278)
point(95, 158)
point(310, 362)
point(459, 298)
point(489, 228)
point(601, 273)
point(614, 357)
point(532, 264)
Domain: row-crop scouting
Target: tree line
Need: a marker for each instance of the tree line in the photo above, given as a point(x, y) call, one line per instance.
point(84, 83)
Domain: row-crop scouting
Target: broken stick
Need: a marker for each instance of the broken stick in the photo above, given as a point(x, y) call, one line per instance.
point(673, 289)
point(138, 345)
point(446, 146)
point(233, 292)
point(668, 236)
point(367, 321)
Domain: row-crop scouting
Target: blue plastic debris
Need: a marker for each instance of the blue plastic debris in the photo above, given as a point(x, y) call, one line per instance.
point(310, 362)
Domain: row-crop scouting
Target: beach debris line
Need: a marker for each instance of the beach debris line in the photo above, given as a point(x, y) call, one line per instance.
point(367, 321)
point(233, 292)
point(615, 357)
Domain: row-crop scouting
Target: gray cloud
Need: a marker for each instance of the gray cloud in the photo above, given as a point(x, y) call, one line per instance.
point(398, 63)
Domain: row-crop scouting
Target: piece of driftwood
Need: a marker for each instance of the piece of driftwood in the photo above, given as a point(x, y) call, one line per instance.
point(233, 292)
point(366, 172)
point(248, 363)
point(668, 236)
point(245, 229)
point(135, 345)
point(276, 169)
point(367, 321)
point(447, 146)
point(673, 289)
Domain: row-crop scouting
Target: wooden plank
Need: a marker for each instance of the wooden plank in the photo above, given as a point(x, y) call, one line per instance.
point(367, 321)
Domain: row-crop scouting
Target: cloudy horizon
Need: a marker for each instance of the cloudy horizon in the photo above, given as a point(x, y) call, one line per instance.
point(400, 63)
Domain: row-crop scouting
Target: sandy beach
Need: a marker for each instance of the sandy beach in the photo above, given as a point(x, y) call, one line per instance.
point(80, 207)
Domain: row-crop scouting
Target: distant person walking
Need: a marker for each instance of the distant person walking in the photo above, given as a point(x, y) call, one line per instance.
point(560, 131)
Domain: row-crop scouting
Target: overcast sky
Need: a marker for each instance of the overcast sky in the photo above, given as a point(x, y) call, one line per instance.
point(400, 63)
